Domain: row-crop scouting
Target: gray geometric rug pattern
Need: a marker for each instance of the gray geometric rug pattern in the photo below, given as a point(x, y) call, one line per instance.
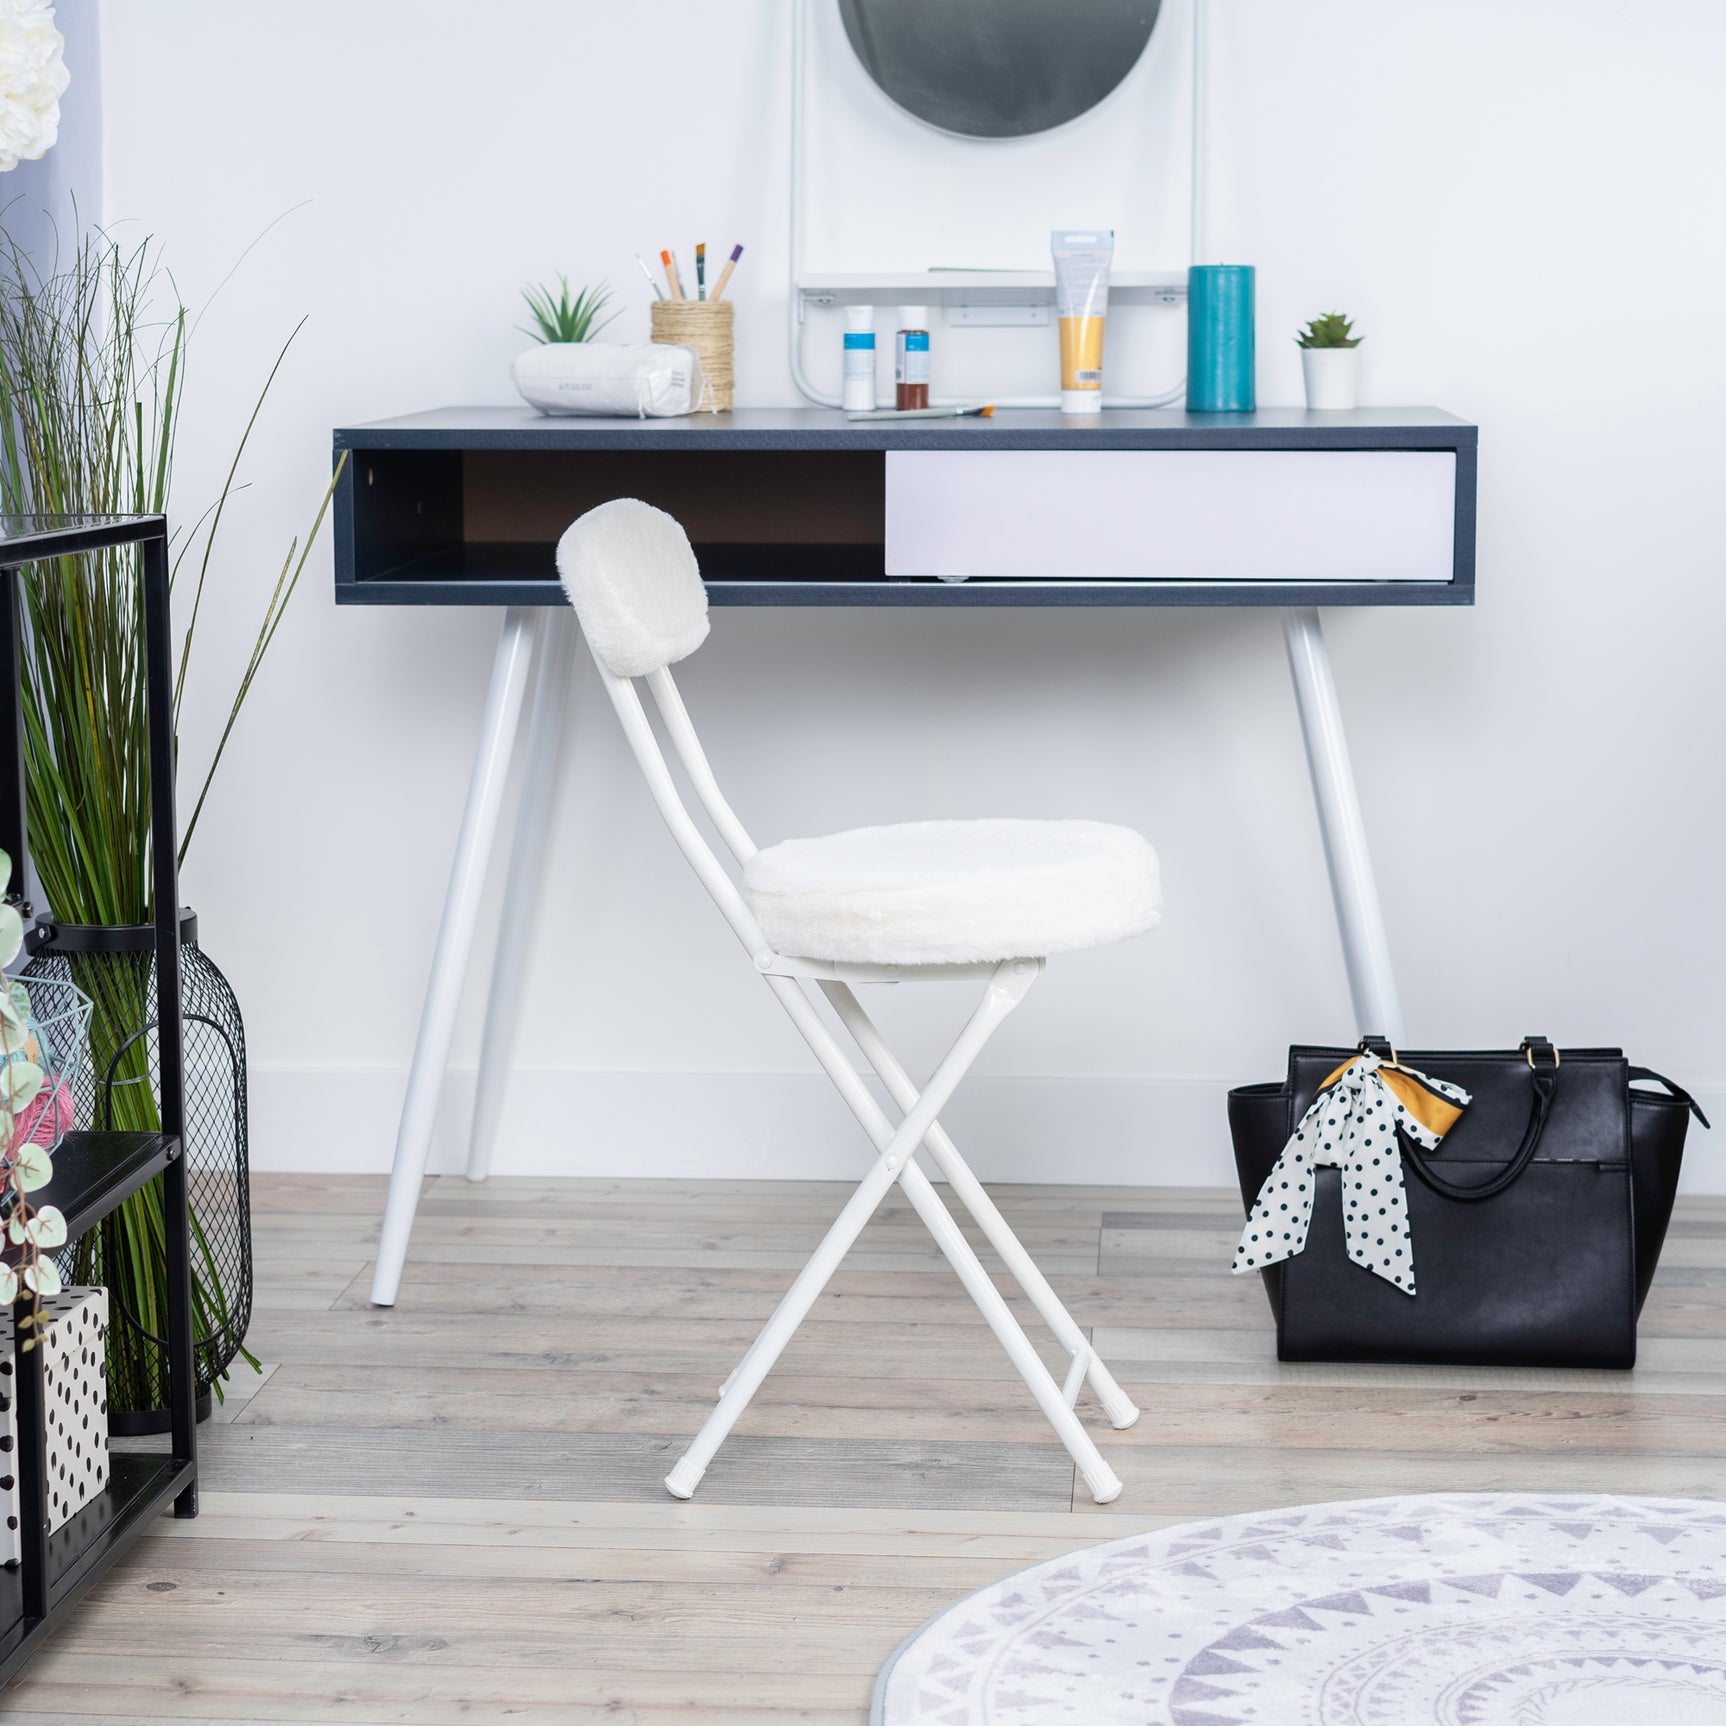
point(1445, 1610)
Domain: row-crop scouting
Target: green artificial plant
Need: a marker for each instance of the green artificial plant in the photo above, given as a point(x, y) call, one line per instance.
point(564, 319)
point(1330, 331)
point(93, 357)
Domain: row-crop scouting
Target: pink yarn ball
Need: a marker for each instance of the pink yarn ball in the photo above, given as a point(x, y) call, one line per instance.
point(45, 1117)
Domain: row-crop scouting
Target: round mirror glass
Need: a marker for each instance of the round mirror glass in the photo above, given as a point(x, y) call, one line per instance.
point(998, 68)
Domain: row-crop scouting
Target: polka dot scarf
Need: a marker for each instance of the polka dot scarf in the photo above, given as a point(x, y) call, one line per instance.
point(1352, 1125)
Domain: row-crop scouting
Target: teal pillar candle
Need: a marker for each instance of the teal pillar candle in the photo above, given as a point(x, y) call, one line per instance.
point(1220, 339)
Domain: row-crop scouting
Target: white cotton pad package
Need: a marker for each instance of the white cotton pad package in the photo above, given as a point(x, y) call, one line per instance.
point(652, 378)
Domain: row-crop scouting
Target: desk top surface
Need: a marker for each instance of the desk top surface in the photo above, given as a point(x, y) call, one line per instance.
point(522, 427)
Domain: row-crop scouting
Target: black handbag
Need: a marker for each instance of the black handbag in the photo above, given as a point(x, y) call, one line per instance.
point(1536, 1224)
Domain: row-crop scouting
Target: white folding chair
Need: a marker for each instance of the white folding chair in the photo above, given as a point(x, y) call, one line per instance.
point(934, 900)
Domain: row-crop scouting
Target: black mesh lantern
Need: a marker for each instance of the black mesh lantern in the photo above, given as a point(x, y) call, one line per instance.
point(117, 1091)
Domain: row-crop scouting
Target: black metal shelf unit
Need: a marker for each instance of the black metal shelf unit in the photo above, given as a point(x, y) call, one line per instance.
point(96, 1172)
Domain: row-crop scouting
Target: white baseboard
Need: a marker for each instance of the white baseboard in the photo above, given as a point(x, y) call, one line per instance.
point(777, 1126)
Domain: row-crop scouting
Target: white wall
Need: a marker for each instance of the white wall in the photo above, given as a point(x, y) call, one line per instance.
point(1519, 205)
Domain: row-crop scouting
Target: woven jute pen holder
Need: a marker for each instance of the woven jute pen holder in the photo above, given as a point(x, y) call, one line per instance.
point(704, 325)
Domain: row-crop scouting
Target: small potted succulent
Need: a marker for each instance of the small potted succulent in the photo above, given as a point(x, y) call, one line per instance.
point(561, 372)
point(564, 318)
point(1328, 358)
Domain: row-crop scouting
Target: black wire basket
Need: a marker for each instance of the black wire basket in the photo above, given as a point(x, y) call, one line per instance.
point(117, 1089)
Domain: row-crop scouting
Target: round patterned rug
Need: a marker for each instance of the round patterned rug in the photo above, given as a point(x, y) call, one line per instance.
point(1453, 1610)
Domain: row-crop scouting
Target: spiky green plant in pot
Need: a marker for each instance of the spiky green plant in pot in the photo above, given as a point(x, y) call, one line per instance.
point(1332, 330)
point(566, 318)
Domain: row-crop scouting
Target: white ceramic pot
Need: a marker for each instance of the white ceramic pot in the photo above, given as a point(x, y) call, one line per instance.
point(1332, 377)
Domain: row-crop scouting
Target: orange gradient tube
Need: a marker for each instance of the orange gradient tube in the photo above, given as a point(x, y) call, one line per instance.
point(1082, 305)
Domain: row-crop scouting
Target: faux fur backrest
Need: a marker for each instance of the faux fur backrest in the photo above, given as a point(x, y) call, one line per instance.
point(633, 580)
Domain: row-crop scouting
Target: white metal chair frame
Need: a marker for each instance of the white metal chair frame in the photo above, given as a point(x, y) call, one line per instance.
point(1006, 985)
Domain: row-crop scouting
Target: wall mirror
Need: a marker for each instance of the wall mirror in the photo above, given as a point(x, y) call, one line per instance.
point(998, 68)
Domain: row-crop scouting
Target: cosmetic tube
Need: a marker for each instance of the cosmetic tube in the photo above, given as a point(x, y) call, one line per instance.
point(1081, 304)
point(858, 395)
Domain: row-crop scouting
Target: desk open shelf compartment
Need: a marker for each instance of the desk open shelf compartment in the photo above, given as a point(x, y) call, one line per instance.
point(478, 523)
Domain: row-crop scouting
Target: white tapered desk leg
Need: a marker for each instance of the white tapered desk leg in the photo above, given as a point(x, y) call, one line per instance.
point(503, 701)
point(1365, 947)
point(521, 890)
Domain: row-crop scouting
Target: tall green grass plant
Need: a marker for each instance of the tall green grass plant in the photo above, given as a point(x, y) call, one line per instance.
point(93, 362)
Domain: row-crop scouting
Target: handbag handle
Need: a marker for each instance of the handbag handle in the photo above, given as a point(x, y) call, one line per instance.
point(1682, 1095)
point(1545, 1084)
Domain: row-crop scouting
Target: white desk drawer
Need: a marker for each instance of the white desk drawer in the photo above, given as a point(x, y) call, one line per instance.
point(1172, 515)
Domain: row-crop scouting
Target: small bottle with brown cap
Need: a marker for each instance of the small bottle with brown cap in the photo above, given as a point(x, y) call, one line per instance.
point(911, 359)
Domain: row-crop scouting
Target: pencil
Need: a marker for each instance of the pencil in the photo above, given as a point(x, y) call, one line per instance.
point(725, 274)
point(671, 277)
point(701, 269)
point(649, 274)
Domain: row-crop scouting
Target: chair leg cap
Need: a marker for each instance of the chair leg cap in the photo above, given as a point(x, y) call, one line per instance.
point(682, 1481)
point(1121, 1411)
point(1104, 1483)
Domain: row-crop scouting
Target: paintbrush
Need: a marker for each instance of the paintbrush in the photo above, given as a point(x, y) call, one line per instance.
point(925, 413)
point(649, 274)
point(701, 269)
point(725, 274)
point(672, 280)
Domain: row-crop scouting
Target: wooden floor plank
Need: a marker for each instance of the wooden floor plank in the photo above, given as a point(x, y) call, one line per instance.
point(212, 1686)
point(851, 1297)
point(349, 1566)
point(1484, 1416)
point(563, 1465)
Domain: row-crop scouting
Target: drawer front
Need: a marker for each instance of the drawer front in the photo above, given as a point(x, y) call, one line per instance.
point(1172, 515)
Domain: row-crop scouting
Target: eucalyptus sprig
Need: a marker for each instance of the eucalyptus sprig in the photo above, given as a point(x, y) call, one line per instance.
point(28, 1167)
point(1329, 331)
point(564, 319)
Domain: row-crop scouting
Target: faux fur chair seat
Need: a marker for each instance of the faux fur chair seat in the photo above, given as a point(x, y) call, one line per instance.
point(955, 892)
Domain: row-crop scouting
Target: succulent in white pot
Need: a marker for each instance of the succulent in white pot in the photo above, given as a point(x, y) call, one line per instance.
point(562, 319)
point(1330, 363)
point(562, 322)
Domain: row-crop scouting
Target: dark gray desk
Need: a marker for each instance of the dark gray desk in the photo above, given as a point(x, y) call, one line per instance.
point(463, 506)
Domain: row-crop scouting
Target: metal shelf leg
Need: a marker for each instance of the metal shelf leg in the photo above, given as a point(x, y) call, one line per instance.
point(170, 1039)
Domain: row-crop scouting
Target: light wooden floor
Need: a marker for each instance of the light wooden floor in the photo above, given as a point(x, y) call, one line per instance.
point(453, 1511)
